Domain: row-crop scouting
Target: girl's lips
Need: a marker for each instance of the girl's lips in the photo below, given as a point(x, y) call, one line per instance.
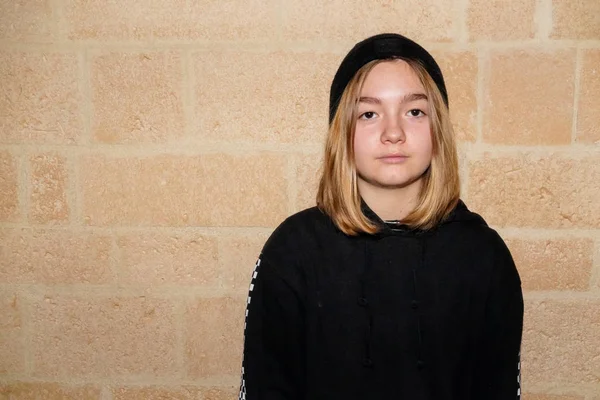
point(393, 159)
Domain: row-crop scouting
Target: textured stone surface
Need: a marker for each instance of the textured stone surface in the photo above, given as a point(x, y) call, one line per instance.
point(274, 97)
point(27, 20)
point(170, 259)
point(561, 342)
point(351, 20)
point(9, 187)
point(149, 147)
point(171, 19)
point(137, 97)
point(596, 281)
point(177, 393)
point(212, 190)
point(501, 20)
point(588, 112)
point(213, 337)
point(529, 98)
point(54, 257)
point(220, 394)
point(554, 264)
point(460, 71)
point(112, 337)
point(12, 350)
point(48, 391)
point(49, 183)
point(576, 20)
point(536, 191)
point(41, 98)
point(307, 180)
point(237, 258)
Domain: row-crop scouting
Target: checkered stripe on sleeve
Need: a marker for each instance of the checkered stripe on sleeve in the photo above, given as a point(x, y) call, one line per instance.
point(242, 395)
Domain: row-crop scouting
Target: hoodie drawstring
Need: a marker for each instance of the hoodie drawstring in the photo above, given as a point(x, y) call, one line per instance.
point(364, 303)
point(415, 305)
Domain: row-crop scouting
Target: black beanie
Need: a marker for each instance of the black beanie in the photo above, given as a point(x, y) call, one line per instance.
point(378, 47)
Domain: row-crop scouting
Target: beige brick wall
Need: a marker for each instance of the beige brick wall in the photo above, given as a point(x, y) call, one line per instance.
point(148, 148)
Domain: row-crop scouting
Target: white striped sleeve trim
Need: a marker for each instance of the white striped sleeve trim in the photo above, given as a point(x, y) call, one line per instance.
point(242, 395)
point(519, 376)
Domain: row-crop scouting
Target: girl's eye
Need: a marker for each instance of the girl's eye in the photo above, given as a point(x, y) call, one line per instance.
point(416, 113)
point(368, 115)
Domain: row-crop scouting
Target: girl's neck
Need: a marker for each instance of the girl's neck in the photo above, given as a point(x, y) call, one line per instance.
point(390, 204)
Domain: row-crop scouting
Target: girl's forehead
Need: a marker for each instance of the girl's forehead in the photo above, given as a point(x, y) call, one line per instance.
point(399, 68)
point(391, 74)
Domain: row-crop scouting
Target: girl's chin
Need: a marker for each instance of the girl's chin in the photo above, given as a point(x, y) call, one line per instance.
point(391, 183)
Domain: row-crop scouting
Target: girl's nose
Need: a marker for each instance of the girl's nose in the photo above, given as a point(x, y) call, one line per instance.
point(392, 132)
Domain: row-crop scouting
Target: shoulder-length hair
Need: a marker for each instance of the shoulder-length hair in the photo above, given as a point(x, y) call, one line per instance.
point(338, 194)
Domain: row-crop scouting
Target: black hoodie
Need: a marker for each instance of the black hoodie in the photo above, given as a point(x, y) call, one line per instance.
point(402, 314)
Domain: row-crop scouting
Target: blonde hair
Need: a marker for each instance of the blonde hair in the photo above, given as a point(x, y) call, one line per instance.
point(338, 194)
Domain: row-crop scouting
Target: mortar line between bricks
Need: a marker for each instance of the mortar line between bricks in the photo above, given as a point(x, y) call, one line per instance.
point(564, 388)
point(221, 278)
point(188, 83)
point(177, 149)
point(26, 179)
point(115, 258)
point(223, 381)
point(541, 232)
point(72, 192)
point(21, 162)
point(118, 230)
point(292, 185)
point(178, 314)
point(576, 90)
point(595, 275)
point(262, 46)
point(576, 151)
point(464, 175)
point(281, 14)
point(534, 45)
point(101, 291)
point(86, 95)
point(27, 312)
point(483, 64)
point(547, 233)
point(463, 16)
point(60, 21)
point(543, 19)
point(106, 393)
point(560, 295)
point(269, 46)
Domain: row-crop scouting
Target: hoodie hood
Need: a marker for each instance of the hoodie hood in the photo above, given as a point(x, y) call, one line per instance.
point(460, 213)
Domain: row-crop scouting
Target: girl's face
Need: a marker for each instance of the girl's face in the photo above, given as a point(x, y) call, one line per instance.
point(392, 140)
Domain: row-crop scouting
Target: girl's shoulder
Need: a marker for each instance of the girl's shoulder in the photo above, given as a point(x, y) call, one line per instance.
point(294, 243)
point(300, 231)
point(468, 229)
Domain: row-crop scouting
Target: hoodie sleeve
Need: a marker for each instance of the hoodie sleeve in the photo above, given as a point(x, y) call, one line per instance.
point(273, 363)
point(498, 370)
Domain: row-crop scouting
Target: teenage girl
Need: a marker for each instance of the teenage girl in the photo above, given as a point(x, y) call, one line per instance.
point(390, 288)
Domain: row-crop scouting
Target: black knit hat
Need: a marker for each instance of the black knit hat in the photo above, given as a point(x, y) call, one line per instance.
point(378, 47)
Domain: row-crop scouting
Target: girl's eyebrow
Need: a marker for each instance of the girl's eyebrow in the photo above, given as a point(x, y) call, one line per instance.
point(407, 98)
point(369, 100)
